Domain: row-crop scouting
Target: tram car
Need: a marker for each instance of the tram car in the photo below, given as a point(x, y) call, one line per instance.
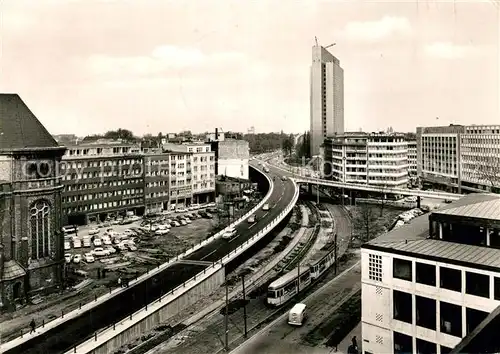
point(285, 288)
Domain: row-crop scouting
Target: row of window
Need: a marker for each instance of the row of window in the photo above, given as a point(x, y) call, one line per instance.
point(426, 314)
point(84, 186)
point(404, 344)
point(100, 195)
point(451, 279)
point(99, 163)
point(104, 205)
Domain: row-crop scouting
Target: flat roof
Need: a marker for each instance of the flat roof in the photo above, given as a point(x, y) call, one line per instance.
point(484, 206)
point(412, 240)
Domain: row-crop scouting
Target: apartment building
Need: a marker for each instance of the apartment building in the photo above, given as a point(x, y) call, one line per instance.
point(326, 97)
point(202, 164)
point(101, 179)
point(430, 283)
point(157, 181)
point(412, 158)
point(459, 158)
point(367, 158)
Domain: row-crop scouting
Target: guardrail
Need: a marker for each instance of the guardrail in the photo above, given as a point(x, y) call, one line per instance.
point(99, 339)
point(99, 300)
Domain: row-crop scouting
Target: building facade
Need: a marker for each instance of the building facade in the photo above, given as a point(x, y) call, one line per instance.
point(460, 158)
point(375, 159)
point(412, 158)
point(102, 179)
point(430, 283)
point(326, 97)
point(231, 157)
point(31, 245)
point(202, 169)
point(157, 181)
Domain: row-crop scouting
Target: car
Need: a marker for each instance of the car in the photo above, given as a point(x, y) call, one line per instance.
point(88, 258)
point(283, 178)
point(69, 229)
point(251, 219)
point(86, 241)
point(121, 247)
point(77, 258)
point(107, 241)
point(131, 246)
point(129, 232)
point(448, 201)
point(180, 210)
point(265, 207)
point(110, 249)
point(97, 242)
point(100, 252)
point(163, 227)
point(187, 220)
point(229, 234)
point(183, 222)
point(94, 231)
point(68, 257)
point(67, 245)
point(162, 232)
point(77, 243)
point(175, 224)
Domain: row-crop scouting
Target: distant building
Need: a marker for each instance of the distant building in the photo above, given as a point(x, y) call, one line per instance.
point(459, 158)
point(31, 244)
point(231, 158)
point(368, 158)
point(66, 139)
point(327, 97)
point(428, 284)
point(230, 187)
point(412, 157)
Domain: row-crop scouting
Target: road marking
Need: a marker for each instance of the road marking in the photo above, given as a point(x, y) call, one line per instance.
point(252, 225)
point(211, 253)
point(263, 216)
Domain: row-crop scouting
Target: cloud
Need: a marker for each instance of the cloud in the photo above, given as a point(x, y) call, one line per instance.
point(448, 50)
point(162, 59)
point(377, 30)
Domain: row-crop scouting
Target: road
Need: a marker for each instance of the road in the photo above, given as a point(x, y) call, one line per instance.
point(69, 333)
point(281, 338)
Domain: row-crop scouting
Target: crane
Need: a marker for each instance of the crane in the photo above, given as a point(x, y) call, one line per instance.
point(331, 45)
point(328, 46)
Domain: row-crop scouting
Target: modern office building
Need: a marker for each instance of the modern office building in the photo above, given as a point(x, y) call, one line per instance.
point(460, 158)
point(231, 158)
point(430, 283)
point(202, 168)
point(412, 157)
point(101, 179)
point(326, 97)
point(157, 181)
point(367, 158)
point(31, 246)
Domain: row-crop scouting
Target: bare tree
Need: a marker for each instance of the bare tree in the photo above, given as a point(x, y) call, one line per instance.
point(366, 220)
point(384, 199)
point(487, 171)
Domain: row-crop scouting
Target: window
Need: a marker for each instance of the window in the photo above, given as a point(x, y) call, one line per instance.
point(375, 267)
point(403, 306)
point(496, 288)
point(425, 312)
point(451, 319)
point(445, 350)
point(474, 318)
point(477, 284)
point(425, 274)
point(425, 347)
point(402, 343)
point(450, 279)
point(402, 269)
point(40, 229)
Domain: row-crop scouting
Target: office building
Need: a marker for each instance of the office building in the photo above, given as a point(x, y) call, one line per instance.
point(430, 283)
point(326, 97)
point(202, 169)
point(231, 158)
point(412, 157)
point(459, 158)
point(101, 179)
point(157, 181)
point(367, 158)
point(31, 247)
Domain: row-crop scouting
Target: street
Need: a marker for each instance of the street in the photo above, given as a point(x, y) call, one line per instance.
point(279, 337)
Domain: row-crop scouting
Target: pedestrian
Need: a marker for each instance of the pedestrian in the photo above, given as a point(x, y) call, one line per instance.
point(32, 325)
point(120, 282)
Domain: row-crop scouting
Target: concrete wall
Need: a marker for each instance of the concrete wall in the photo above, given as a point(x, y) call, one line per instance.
point(162, 314)
point(237, 168)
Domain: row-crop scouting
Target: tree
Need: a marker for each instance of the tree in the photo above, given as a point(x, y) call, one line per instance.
point(487, 171)
point(287, 144)
point(383, 200)
point(303, 148)
point(366, 220)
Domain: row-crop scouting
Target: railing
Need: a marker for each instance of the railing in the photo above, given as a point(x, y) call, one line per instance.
point(97, 300)
point(100, 338)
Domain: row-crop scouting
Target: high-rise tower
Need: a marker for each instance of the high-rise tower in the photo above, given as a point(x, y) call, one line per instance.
point(327, 97)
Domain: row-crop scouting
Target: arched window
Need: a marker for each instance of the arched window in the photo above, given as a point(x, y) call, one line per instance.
point(40, 229)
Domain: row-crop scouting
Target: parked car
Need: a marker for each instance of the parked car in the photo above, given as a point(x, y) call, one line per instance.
point(107, 241)
point(175, 224)
point(86, 241)
point(88, 258)
point(187, 220)
point(162, 232)
point(180, 210)
point(77, 258)
point(97, 242)
point(183, 222)
point(283, 178)
point(69, 229)
point(68, 257)
point(131, 246)
point(110, 249)
point(94, 231)
point(67, 245)
point(122, 247)
point(100, 252)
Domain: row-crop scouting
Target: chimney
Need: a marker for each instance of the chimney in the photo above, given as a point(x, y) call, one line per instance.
point(216, 134)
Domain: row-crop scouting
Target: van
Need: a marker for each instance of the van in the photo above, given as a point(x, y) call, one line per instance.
point(229, 234)
point(297, 315)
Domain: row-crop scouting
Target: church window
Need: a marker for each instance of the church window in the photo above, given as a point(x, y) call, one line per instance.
point(40, 229)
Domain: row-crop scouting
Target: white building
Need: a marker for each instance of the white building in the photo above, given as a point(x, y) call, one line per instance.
point(326, 97)
point(375, 159)
point(412, 157)
point(232, 158)
point(201, 166)
point(428, 284)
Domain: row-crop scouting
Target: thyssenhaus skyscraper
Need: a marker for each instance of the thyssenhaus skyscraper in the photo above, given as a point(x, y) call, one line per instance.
point(327, 97)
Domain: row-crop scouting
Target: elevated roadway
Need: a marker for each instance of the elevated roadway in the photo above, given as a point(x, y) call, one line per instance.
point(77, 329)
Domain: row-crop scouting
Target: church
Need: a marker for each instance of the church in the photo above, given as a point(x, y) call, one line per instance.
point(31, 243)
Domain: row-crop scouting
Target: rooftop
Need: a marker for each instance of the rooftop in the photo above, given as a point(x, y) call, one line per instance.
point(413, 239)
point(19, 128)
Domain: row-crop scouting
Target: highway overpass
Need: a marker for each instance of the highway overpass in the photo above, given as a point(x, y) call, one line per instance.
point(81, 325)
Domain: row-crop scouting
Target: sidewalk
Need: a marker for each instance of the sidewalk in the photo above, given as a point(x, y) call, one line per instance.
point(347, 341)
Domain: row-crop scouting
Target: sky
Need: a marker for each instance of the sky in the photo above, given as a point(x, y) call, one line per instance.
point(88, 66)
